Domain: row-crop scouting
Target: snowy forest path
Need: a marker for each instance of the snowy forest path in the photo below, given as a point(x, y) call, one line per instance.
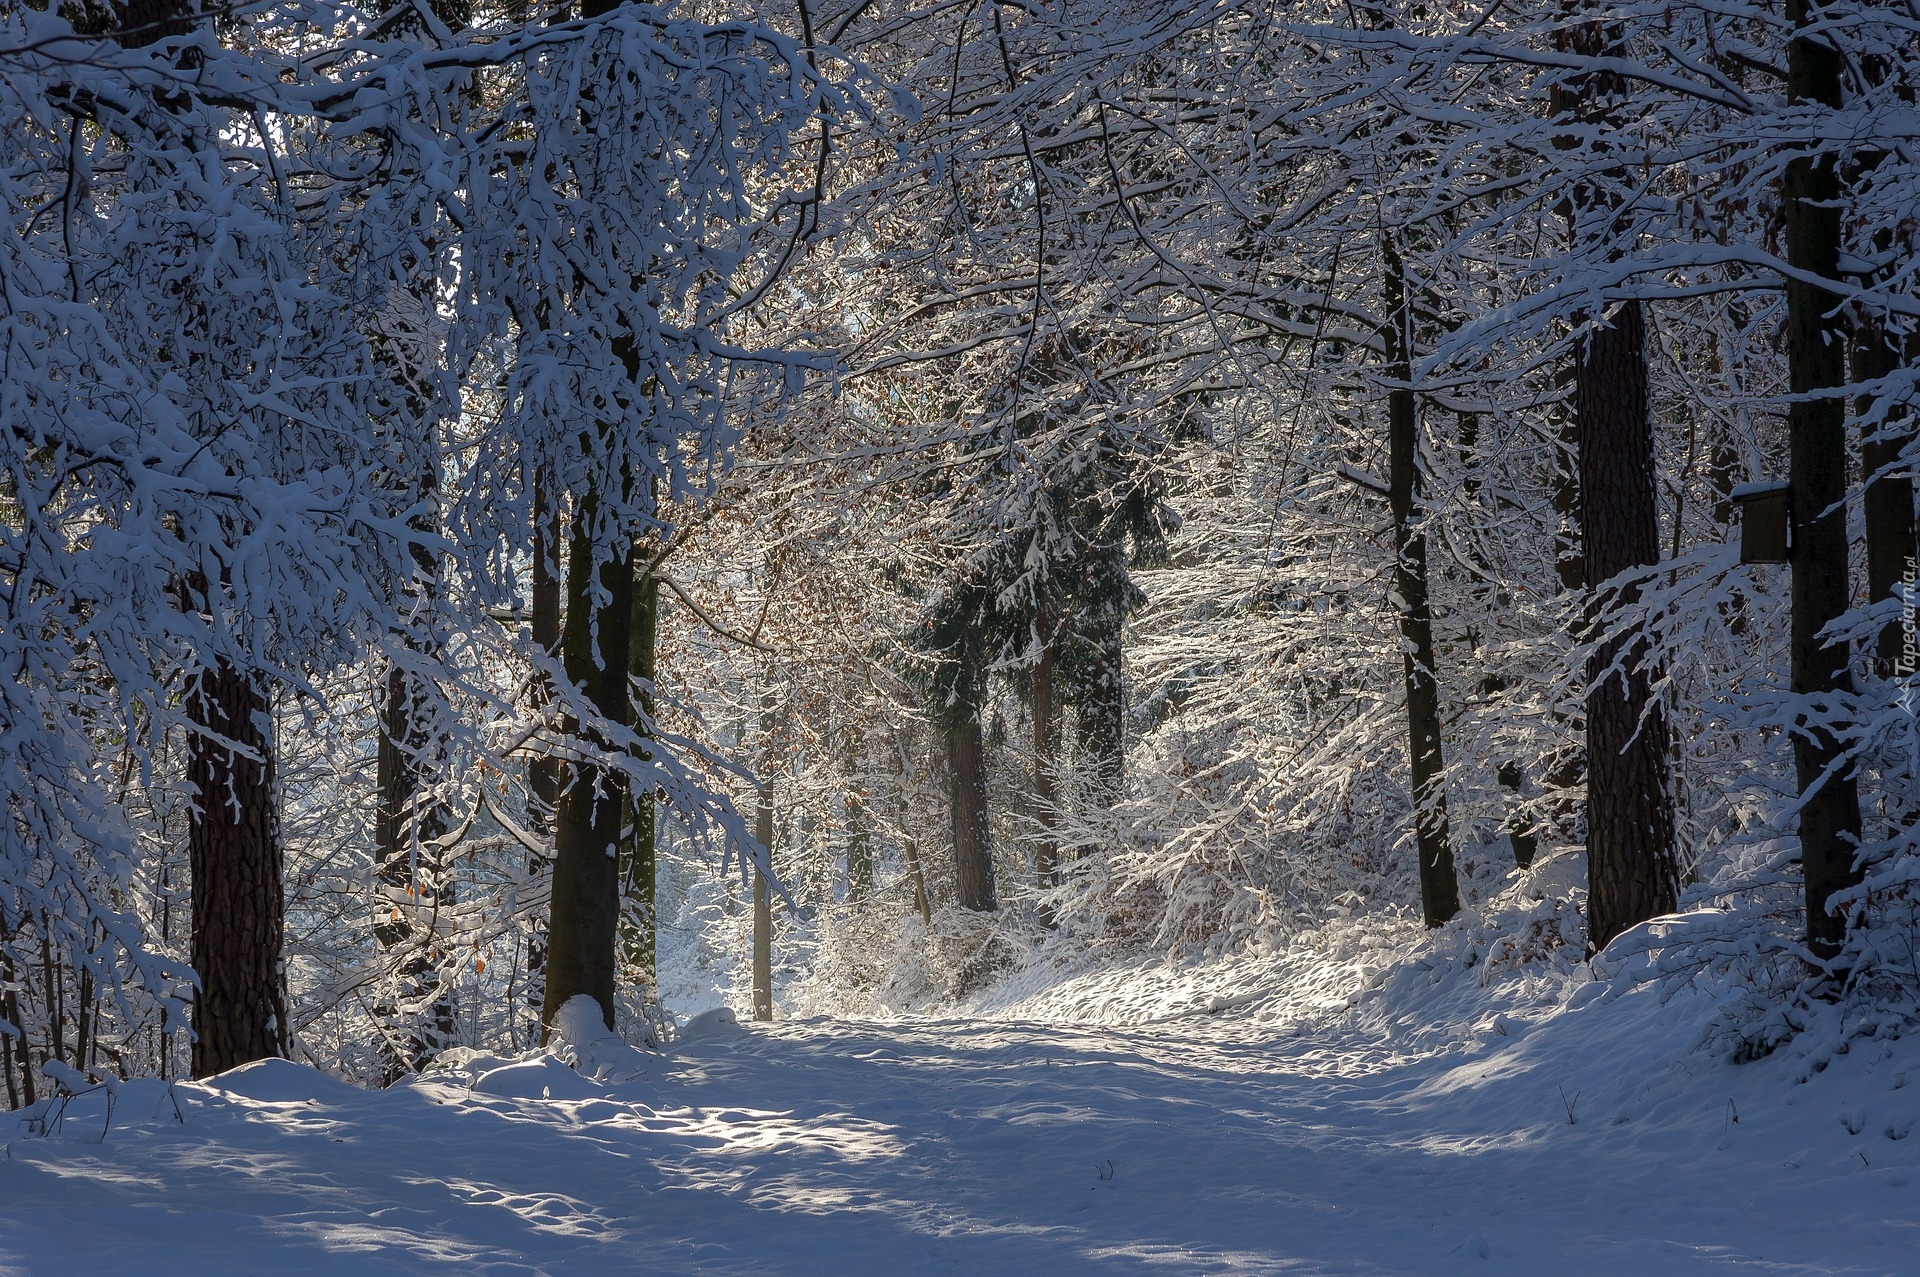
point(1203, 1145)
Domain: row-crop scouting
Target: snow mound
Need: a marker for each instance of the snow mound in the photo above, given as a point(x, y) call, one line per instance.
point(720, 1022)
point(540, 1076)
point(581, 1059)
point(581, 1038)
point(1559, 876)
point(282, 1082)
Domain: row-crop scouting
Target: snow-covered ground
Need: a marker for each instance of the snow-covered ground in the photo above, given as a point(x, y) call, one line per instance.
point(1307, 1112)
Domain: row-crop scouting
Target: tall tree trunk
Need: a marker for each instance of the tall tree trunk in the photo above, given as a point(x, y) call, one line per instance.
point(543, 773)
point(1439, 887)
point(1046, 751)
point(1890, 539)
point(1632, 873)
point(909, 843)
point(859, 847)
point(583, 919)
point(1100, 710)
point(1726, 470)
point(762, 944)
point(1632, 870)
point(639, 922)
point(233, 836)
point(1817, 449)
point(1522, 838)
point(417, 879)
point(1889, 495)
point(762, 904)
point(858, 826)
point(967, 782)
point(414, 870)
point(1565, 765)
point(1879, 353)
point(15, 1044)
point(585, 915)
point(233, 844)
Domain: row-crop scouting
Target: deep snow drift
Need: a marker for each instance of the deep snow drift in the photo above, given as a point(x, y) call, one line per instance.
point(1307, 1112)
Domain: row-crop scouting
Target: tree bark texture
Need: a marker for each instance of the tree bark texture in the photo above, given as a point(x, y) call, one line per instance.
point(762, 947)
point(416, 883)
point(1521, 836)
point(1046, 751)
point(233, 844)
point(1817, 450)
point(762, 957)
point(1632, 872)
point(585, 916)
point(967, 780)
point(1569, 556)
point(909, 843)
point(1890, 540)
point(543, 773)
point(1100, 709)
point(859, 847)
point(1889, 496)
point(638, 921)
point(1879, 352)
point(1439, 887)
point(762, 904)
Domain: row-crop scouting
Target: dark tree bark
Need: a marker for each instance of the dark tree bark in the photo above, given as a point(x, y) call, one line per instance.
point(1046, 752)
point(543, 773)
point(859, 847)
point(1889, 495)
point(1632, 873)
point(1632, 870)
point(233, 844)
point(1566, 765)
point(1100, 701)
point(1878, 353)
point(418, 881)
point(909, 843)
point(13, 1049)
point(762, 904)
point(1890, 538)
point(1726, 472)
point(762, 945)
point(1468, 425)
point(1569, 556)
point(1817, 449)
point(411, 866)
point(967, 782)
point(233, 837)
point(1439, 887)
point(583, 919)
point(1521, 836)
point(585, 916)
point(639, 923)
point(858, 827)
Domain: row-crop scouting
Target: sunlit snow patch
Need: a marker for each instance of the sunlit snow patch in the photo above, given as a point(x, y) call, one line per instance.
point(717, 1023)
